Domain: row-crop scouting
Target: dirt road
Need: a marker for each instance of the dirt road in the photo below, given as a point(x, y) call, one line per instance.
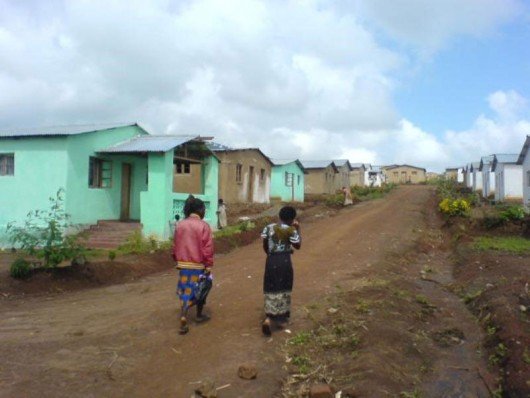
point(122, 340)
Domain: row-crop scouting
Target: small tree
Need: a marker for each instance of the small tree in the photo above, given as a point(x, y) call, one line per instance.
point(43, 233)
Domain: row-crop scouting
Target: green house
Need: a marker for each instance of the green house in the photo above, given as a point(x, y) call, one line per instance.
point(287, 180)
point(108, 172)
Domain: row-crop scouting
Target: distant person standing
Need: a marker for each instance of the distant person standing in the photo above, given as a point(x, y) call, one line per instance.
point(348, 199)
point(193, 251)
point(221, 214)
point(279, 239)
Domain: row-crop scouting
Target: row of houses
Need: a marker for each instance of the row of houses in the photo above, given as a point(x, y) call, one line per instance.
point(124, 173)
point(498, 177)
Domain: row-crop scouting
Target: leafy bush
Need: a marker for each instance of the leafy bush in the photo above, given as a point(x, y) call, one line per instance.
point(454, 207)
point(137, 244)
point(512, 213)
point(43, 234)
point(336, 200)
point(491, 222)
point(20, 269)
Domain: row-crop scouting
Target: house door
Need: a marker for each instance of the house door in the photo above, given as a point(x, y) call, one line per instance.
point(403, 177)
point(250, 193)
point(125, 191)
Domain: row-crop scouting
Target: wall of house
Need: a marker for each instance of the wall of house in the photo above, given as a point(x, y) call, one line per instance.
point(320, 181)
point(512, 182)
point(232, 191)
point(526, 180)
point(279, 188)
point(88, 205)
point(402, 175)
point(477, 180)
point(40, 171)
point(342, 179)
point(188, 183)
point(357, 178)
point(488, 181)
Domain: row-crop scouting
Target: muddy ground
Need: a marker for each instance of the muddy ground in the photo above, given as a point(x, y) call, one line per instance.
point(371, 292)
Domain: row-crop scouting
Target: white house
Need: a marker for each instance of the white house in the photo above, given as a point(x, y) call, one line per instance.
point(508, 178)
point(524, 161)
point(488, 176)
point(374, 176)
point(476, 177)
point(468, 176)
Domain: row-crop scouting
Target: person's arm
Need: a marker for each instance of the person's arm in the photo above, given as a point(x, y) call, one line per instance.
point(265, 240)
point(174, 249)
point(296, 238)
point(207, 247)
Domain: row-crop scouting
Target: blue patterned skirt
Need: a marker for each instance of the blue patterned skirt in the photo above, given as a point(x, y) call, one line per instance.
point(187, 286)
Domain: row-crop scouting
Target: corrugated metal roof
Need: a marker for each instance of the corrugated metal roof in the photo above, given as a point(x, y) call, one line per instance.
point(507, 158)
point(316, 164)
point(485, 161)
point(282, 162)
point(62, 130)
point(357, 165)
point(524, 150)
point(215, 146)
point(150, 143)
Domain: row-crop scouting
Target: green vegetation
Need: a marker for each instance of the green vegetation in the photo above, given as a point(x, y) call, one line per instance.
point(43, 234)
point(20, 269)
point(369, 193)
point(455, 200)
point(512, 212)
point(512, 244)
point(235, 229)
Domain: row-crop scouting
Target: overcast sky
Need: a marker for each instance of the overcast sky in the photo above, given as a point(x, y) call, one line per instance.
point(433, 83)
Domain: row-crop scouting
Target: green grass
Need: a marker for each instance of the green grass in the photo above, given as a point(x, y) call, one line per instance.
point(512, 244)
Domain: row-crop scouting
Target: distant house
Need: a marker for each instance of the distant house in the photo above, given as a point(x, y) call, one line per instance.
point(108, 172)
point(476, 177)
point(508, 178)
point(244, 174)
point(468, 176)
point(430, 175)
point(488, 176)
point(343, 177)
point(524, 161)
point(320, 176)
point(287, 180)
point(357, 175)
point(374, 176)
point(455, 174)
point(405, 174)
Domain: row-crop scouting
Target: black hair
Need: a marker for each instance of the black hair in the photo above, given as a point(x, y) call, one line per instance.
point(287, 214)
point(221, 201)
point(194, 205)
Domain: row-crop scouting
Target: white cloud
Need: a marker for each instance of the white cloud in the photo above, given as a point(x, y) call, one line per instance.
point(306, 79)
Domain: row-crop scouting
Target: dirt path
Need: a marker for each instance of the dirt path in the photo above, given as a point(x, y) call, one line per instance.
point(122, 340)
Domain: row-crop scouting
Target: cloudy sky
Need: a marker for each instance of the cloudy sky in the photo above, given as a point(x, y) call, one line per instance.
point(434, 83)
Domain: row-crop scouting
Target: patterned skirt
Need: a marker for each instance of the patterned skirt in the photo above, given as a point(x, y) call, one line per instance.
point(277, 285)
point(186, 287)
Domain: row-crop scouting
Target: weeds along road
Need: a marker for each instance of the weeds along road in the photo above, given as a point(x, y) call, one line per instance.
point(122, 340)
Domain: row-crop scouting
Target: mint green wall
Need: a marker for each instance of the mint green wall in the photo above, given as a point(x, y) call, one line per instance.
point(87, 205)
point(39, 172)
point(278, 187)
point(159, 203)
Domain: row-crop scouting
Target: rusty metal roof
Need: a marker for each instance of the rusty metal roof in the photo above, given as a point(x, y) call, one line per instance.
point(54, 131)
point(150, 143)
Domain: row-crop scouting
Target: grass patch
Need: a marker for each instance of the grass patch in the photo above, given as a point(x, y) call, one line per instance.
point(512, 244)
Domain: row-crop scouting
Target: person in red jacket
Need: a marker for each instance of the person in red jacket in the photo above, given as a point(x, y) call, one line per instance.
point(193, 252)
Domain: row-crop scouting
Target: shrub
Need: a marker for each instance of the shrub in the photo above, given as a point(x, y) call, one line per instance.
point(335, 200)
point(20, 269)
point(137, 244)
point(112, 255)
point(454, 207)
point(512, 213)
point(43, 234)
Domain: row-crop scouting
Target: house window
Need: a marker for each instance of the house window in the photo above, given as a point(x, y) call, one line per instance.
point(299, 179)
point(7, 164)
point(99, 173)
point(396, 174)
point(239, 172)
point(528, 178)
point(286, 179)
point(414, 173)
point(262, 175)
point(182, 168)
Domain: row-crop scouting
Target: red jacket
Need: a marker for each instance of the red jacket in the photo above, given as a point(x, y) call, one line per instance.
point(193, 243)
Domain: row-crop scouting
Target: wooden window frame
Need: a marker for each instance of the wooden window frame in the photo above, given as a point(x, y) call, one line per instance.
point(262, 175)
point(182, 168)
point(7, 164)
point(99, 173)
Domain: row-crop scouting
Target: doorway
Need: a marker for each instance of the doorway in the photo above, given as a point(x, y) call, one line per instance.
point(125, 191)
point(250, 193)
